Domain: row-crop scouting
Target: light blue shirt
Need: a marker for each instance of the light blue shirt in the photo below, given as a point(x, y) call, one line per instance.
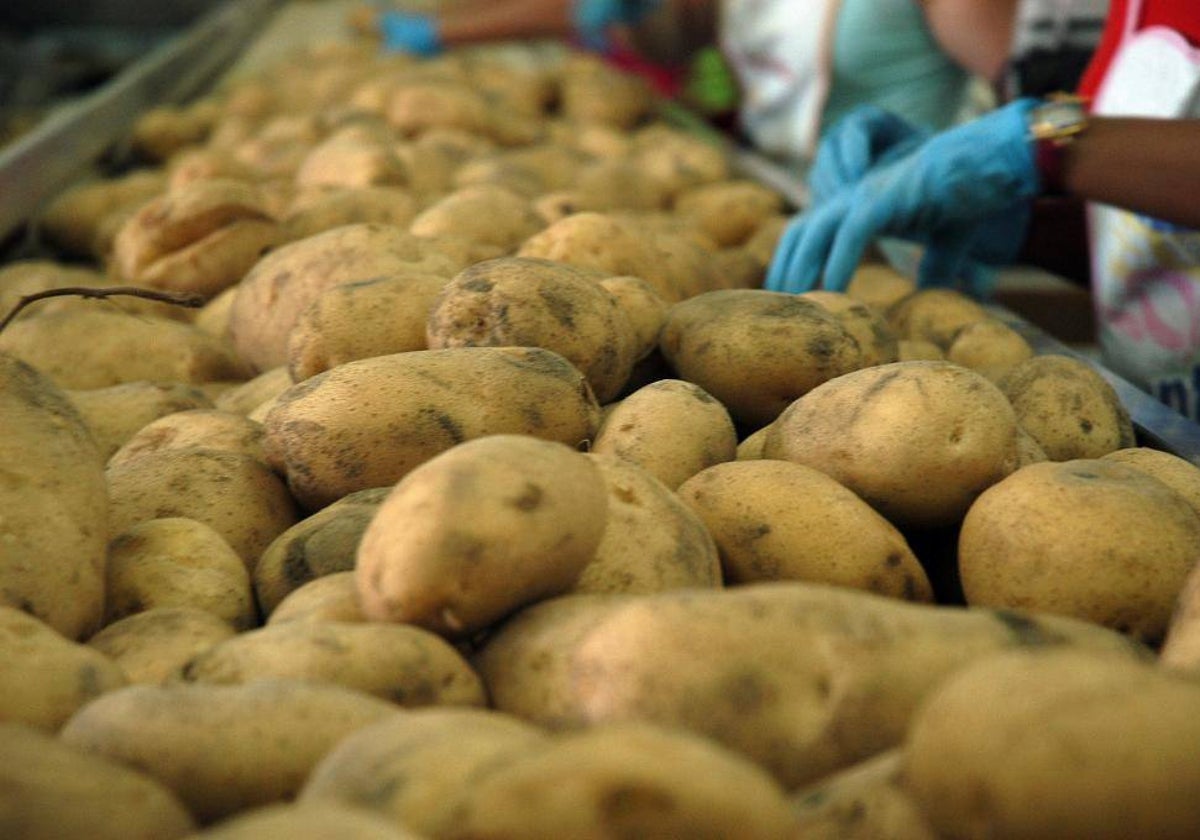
point(884, 53)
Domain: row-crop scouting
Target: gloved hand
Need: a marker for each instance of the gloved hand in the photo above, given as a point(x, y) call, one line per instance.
point(943, 194)
point(403, 32)
point(866, 137)
point(592, 18)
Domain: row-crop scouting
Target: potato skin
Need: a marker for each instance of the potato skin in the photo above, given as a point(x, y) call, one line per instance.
point(776, 520)
point(151, 647)
point(50, 791)
point(918, 441)
point(863, 802)
point(480, 530)
point(1058, 744)
point(1123, 544)
point(313, 821)
point(369, 423)
point(223, 749)
point(55, 523)
point(756, 351)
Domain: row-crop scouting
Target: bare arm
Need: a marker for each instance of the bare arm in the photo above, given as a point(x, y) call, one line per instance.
point(1148, 166)
point(489, 20)
point(976, 34)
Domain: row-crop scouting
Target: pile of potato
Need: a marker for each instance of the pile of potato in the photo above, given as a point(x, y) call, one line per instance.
point(488, 496)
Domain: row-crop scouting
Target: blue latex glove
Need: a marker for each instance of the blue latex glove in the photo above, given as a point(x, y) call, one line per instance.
point(866, 137)
point(409, 33)
point(944, 194)
point(592, 18)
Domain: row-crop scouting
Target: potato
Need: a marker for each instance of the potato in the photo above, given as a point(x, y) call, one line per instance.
point(670, 428)
point(879, 286)
point(418, 106)
point(317, 821)
point(317, 211)
point(345, 160)
point(79, 220)
point(918, 441)
point(152, 646)
point(246, 503)
point(201, 163)
point(406, 665)
point(628, 780)
point(522, 302)
point(200, 428)
point(54, 528)
point(805, 679)
point(861, 803)
point(918, 350)
point(645, 308)
point(775, 520)
point(24, 278)
point(283, 284)
point(44, 677)
point(756, 351)
point(678, 160)
point(115, 414)
point(480, 530)
point(114, 350)
point(176, 562)
point(652, 542)
point(592, 91)
point(360, 320)
point(1070, 410)
point(486, 213)
point(934, 315)
point(1057, 744)
point(762, 243)
point(244, 398)
point(1181, 648)
point(876, 339)
point(991, 347)
point(751, 447)
point(729, 212)
point(333, 597)
point(213, 317)
point(369, 423)
point(49, 791)
point(165, 129)
point(1179, 474)
point(1122, 545)
point(418, 768)
point(223, 748)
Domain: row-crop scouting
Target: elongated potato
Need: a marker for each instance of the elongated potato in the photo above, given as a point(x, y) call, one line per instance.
point(223, 748)
point(1058, 744)
point(44, 678)
point(115, 414)
point(407, 665)
point(671, 428)
point(369, 423)
point(316, 821)
point(479, 531)
point(49, 791)
point(54, 528)
point(152, 647)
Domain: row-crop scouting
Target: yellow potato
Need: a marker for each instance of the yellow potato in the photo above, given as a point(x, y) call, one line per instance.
point(152, 647)
point(333, 597)
point(203, 428)
point(116, 413)
point(316, 821)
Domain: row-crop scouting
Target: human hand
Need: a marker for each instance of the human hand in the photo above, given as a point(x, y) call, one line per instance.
point(866, 137)
point(592, 18)
point(403, 32)
point(947, 194)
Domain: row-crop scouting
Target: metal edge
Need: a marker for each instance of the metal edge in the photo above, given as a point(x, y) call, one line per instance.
point(58, 151)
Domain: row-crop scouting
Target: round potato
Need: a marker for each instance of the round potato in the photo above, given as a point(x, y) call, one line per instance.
point(313, 821)
point(1122, 545)
point(1179, 474)
point(333, 597)
point(200, 428)
point(729, 211)
point(876, 339)
point(991, 347)
point(934, 315)
point(486, 527)
point(151, 647)
point(775, 520)
point(115, 414)
point(486, 213)
point(918, 441)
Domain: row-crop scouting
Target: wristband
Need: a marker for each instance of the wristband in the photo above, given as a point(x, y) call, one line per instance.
point(1053, 126)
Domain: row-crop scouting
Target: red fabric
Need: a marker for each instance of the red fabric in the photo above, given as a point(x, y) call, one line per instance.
point(666, 81)
point(1181, 15)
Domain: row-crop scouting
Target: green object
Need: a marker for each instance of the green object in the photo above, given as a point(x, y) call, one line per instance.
point(710, 86)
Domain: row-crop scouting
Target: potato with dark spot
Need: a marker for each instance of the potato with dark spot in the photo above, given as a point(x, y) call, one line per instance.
point(804, 679)
point(54, 526)
point(1070, 410)
point(645, 308)
point(321, 544)
point(201, 428)
point(652, 541)
point(1114, 740)
point(522, 302)
point(369, 423)
point(409, 666)
point(934, 315)
point(177, 563)
point(863, 802)
point(237, 495)
point(775, 520)
point(1092, 539)
point(484, 528)
point(729, 212)
point(49, 791)
point(152, 646)
point(918, 441)
point(418, 769)
point(333, 597)
point(627, 780)
point(44, 677)
point(1178, 473)
point(224, 748)
point(671, 428)
point(115, 414)
point(756, 351)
